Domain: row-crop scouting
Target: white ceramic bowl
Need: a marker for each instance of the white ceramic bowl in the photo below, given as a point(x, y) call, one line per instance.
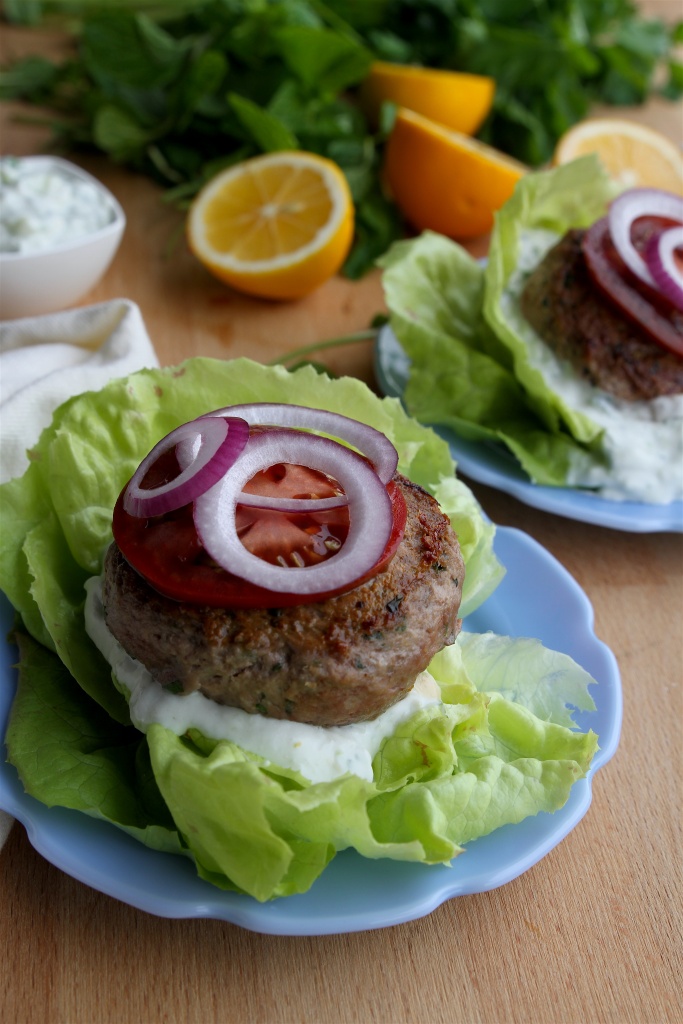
point(42, 282)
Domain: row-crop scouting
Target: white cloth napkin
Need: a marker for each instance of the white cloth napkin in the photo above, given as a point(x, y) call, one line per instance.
point(46, 359)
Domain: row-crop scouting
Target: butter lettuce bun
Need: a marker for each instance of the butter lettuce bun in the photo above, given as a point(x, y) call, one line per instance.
point(554, 347)
point(260, 793)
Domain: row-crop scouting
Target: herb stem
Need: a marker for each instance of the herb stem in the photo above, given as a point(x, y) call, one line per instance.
point(346, 339)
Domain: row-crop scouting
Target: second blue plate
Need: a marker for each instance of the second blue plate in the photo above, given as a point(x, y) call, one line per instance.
point(493, 465)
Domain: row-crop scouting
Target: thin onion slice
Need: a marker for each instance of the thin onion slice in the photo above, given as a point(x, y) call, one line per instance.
point(209, 447)
point(369, 441)
point(370, 514)
point(275, 504)
point(661, 262)
point(627, 208)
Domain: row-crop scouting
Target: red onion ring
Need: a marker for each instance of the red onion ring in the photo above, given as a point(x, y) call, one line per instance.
point(209, 447)
point(371, 442)
point(292, 504)
point(625, 209)
point(274, 504)
point(660, 260)
point(370, 513)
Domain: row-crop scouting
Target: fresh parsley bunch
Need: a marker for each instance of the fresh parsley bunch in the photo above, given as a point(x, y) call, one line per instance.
point(180, 90)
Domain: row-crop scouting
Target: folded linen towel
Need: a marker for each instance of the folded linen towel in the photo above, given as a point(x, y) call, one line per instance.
point(45, 360)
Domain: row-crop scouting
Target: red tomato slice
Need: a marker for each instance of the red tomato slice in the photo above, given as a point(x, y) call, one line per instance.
point(662, 322)
point(290, 539)
point(167, 552)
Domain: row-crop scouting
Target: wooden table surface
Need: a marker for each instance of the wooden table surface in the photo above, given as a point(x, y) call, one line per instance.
point(591, 933)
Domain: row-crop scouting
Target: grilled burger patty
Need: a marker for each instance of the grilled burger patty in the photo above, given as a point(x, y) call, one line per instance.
point(342, 660)
point(563, 305)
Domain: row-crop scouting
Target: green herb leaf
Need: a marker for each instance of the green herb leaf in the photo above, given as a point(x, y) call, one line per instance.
point(267, 131)
point(118, 133)
point(27, 77)
point(323, 60)
point(130, 50)
point(180, 89)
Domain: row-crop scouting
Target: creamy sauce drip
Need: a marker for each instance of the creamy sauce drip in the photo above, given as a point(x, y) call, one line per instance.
point(643, 440)
point(42, 208)
point(319, 754)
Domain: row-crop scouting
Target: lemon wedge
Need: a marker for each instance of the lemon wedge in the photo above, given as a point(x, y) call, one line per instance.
point(455, 99)
point(445, 181)
point(633, 154)
point(276, 226)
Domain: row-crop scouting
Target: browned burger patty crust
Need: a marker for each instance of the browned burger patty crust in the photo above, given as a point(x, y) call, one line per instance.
point(343, 660)
point(565, 308)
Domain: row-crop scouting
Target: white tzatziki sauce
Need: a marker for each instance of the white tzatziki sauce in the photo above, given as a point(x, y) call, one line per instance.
point(44, 206)
point(319, 754)
point(642, 440)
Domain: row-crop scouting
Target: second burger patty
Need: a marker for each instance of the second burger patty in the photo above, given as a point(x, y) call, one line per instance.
point(342, 660)
point(568, 311)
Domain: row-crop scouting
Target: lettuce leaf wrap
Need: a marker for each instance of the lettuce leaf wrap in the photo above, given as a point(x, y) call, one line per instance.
point(478, 368)
point(500, 747)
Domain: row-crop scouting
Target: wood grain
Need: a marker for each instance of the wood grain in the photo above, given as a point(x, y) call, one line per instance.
point(591, 934)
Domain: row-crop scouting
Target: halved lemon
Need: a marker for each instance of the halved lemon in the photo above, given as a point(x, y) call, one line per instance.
point(276, 226)
point(633, 154)
point(458, 100)
point(445, 181)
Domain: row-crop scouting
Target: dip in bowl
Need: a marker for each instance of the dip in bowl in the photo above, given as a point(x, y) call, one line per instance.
point(59, 231)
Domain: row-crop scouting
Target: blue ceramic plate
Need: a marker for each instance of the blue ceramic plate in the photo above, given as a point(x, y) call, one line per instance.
point(353, 894)
point(495, 466)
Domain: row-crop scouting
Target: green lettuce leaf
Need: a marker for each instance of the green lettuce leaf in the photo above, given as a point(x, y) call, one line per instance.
point(572, 195)
point(470, 369)
point(70, 753)
point(448, 775)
